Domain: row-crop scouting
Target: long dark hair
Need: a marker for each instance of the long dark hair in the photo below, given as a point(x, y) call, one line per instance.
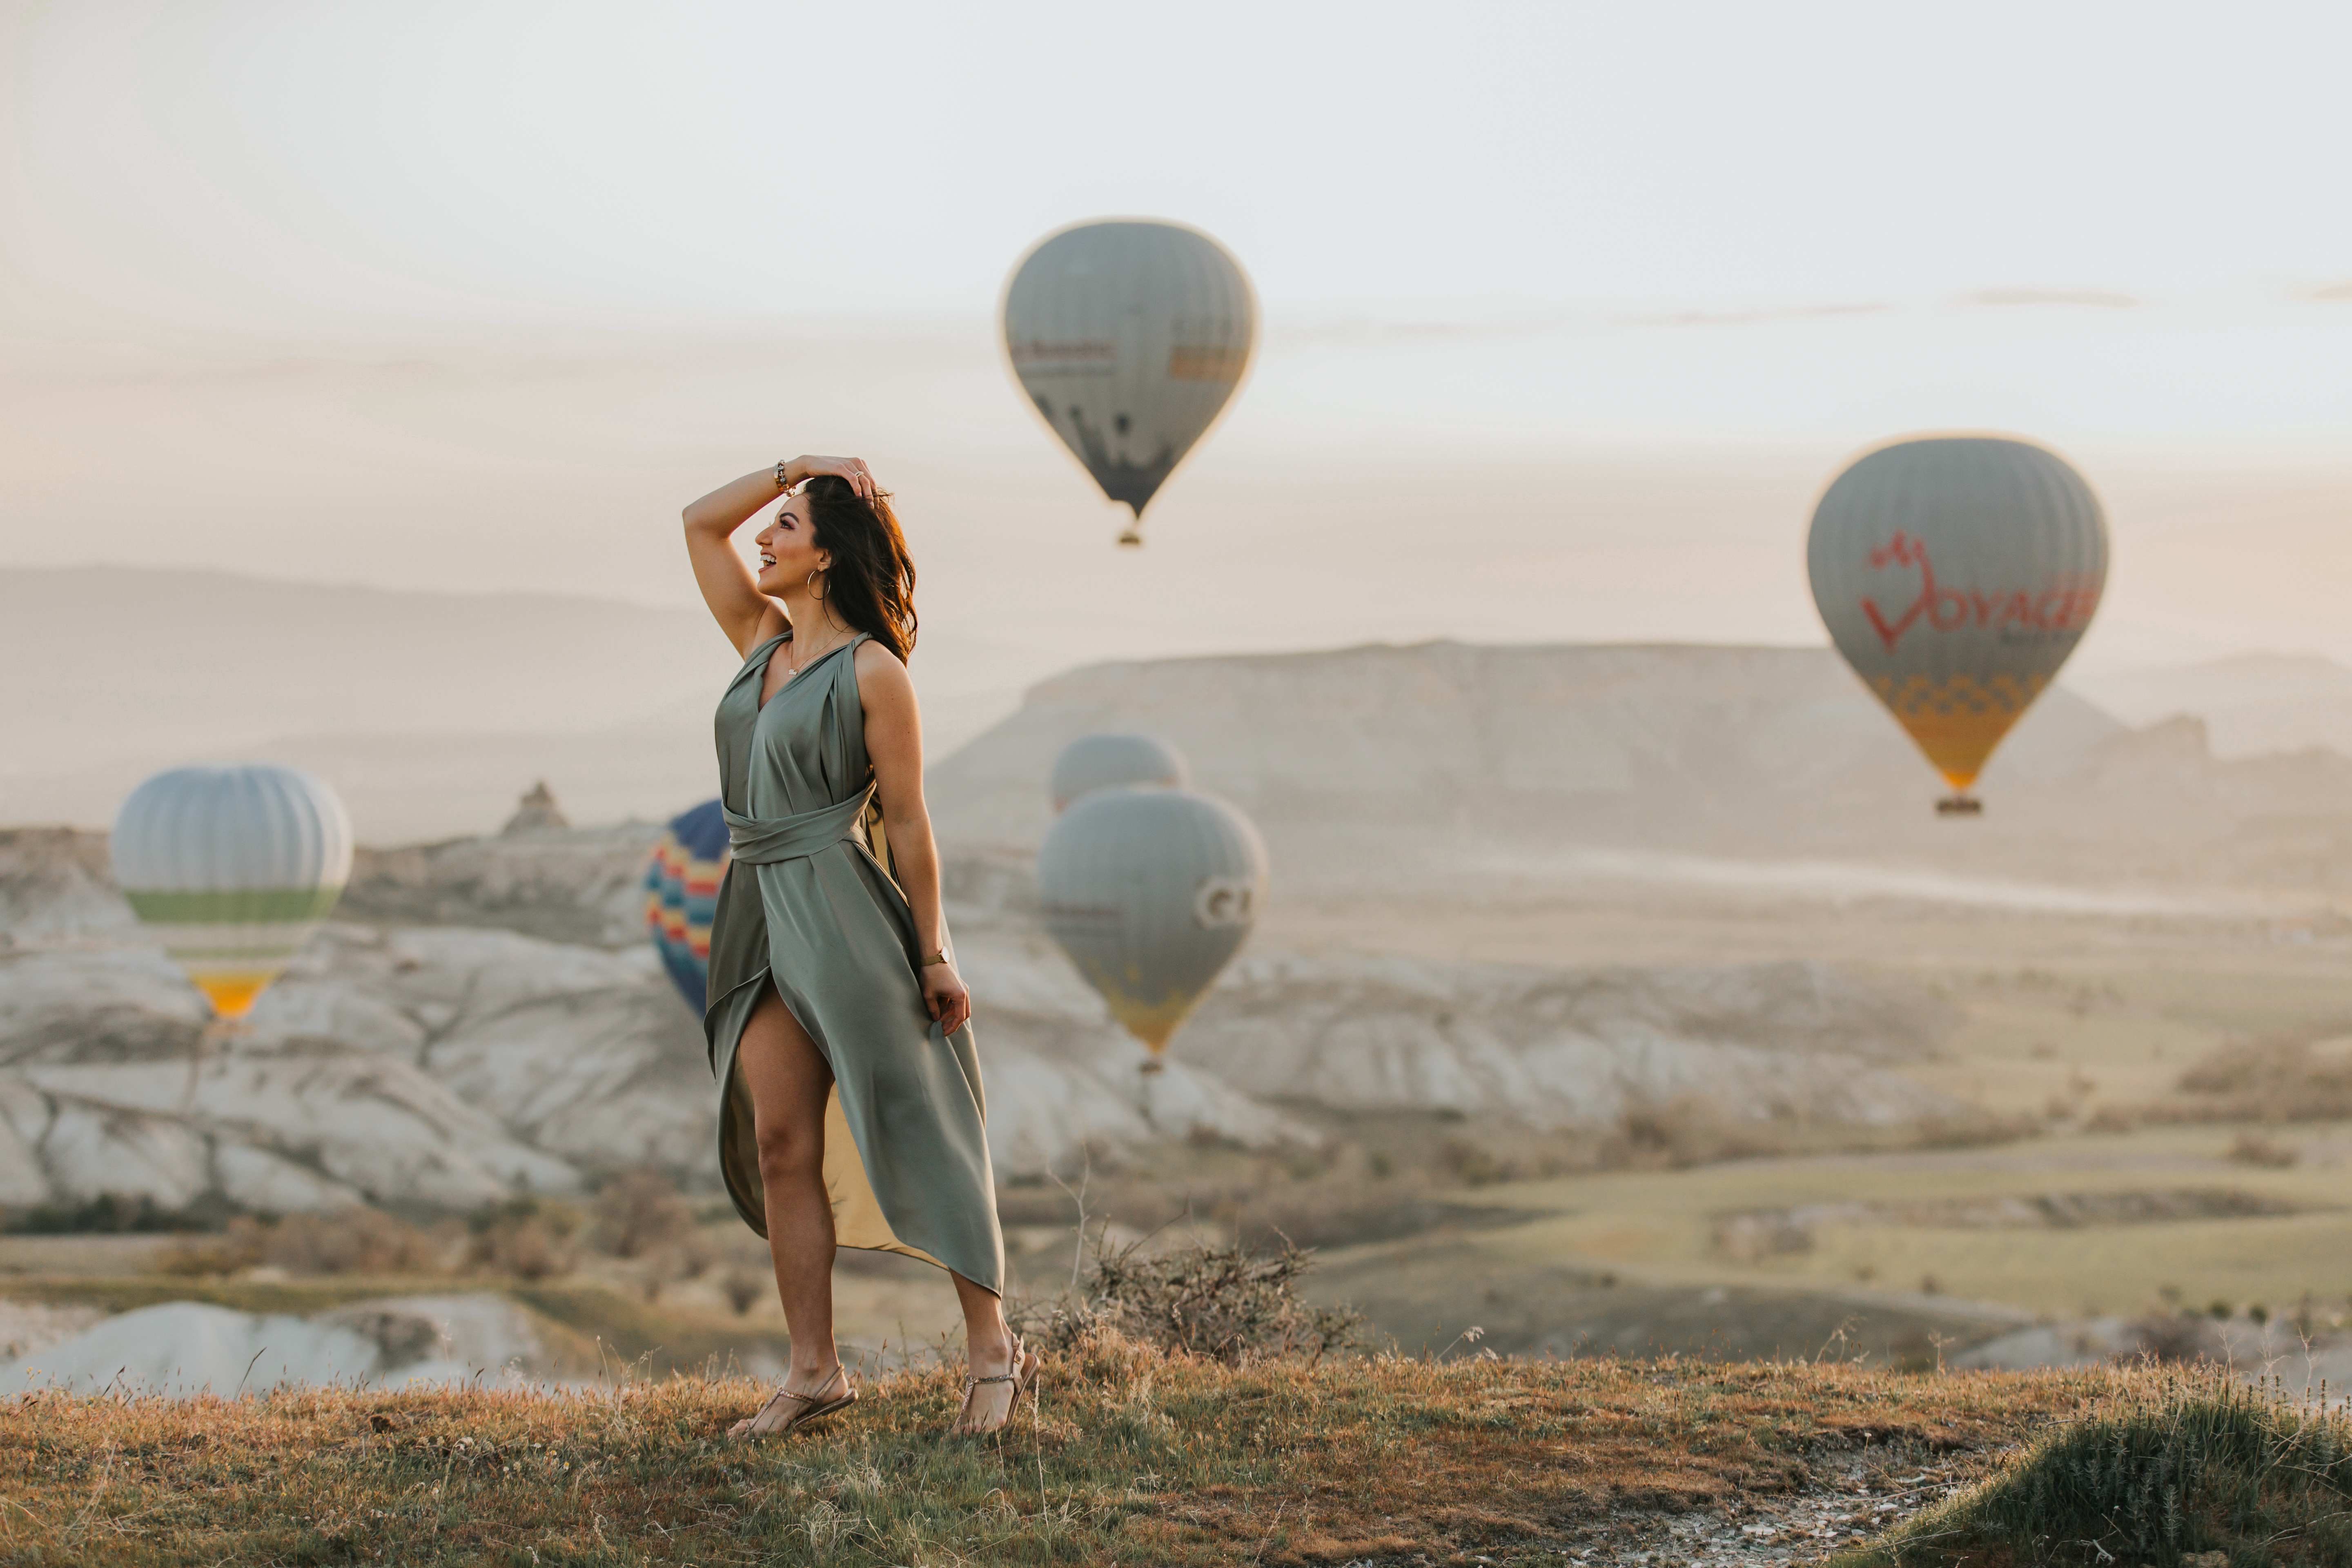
point(870, 586)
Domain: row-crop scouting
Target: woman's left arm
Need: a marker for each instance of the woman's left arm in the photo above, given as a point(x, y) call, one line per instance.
point(894, 744)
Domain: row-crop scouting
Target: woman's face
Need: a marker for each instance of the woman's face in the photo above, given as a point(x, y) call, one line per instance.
point(788, 549)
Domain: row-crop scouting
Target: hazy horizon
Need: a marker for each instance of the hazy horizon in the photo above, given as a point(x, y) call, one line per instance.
point(1569, 317)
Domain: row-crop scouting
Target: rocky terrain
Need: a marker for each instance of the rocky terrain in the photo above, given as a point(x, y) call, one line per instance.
point(482, 1015)
point(406, 1058)
point(182, 1348)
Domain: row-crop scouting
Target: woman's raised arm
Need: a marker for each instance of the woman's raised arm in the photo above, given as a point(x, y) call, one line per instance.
point(728, 587)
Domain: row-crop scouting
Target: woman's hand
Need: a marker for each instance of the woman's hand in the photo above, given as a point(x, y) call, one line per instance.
point(853, 469)
point(945, 995)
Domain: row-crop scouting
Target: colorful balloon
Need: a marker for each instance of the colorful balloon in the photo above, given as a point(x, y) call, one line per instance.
point(232, 869)
point(1956, 573)
point(682, 878)
point(1130, 338)
point(1152, 892)
point(1107, 762)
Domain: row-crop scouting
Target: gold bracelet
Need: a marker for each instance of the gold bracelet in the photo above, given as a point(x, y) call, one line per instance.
point(938, 957)
point(782, 483)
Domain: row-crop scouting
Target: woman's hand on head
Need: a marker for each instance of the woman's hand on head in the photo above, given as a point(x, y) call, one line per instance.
point(853, 470)
point(946, 996)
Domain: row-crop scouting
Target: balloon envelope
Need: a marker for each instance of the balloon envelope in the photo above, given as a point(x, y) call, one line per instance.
point(682, 878)
point(1108, 761)
point(1956, 573)
point(232, 869)
point(1152, 892)
point(1130, 337)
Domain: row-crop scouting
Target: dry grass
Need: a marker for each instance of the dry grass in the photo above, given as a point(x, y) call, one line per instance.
point(1132, 1456)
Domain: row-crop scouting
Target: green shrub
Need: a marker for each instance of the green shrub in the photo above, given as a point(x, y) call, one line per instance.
point(2184, 1463)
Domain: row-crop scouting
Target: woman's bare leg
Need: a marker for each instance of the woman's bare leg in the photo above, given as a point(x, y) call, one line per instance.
point(988, 1345)
point(788, 1082)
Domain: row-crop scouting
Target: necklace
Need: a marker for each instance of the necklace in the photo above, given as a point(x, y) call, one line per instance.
point(793, 670)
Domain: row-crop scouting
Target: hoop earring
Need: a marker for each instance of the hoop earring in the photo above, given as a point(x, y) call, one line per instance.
point(810, 586)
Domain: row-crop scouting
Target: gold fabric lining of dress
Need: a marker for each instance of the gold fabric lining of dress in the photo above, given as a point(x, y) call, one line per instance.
point(857, 1217)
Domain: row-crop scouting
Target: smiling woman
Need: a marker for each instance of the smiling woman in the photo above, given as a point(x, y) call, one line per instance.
point(850, 1105)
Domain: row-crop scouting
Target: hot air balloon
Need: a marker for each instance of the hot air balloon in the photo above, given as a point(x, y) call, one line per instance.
point(1152, 892)
point(682, 878)
point(1130, 336)
point(232, 868)
point(1956, 573)
point(1106, 761)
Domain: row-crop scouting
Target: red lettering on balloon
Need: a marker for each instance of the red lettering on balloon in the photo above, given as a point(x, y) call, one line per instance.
point(2067, 607)
point(1901, 551)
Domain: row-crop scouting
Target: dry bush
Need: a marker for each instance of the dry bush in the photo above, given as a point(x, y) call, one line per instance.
point(2173, 1337)
point(641, 1216)
point(1236, 1305)
point(345, 1241)
point(639, 1210)
point(2254, 1148)
point(1696, 1129)
point(743, 1287)
point(2277, 1078)
point(525, 1238)
point(1972, 1128)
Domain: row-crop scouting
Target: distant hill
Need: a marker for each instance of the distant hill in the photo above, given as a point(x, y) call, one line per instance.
point(2250, 704)
point(1580, 743)
point(429, 711)
point(1384, 764)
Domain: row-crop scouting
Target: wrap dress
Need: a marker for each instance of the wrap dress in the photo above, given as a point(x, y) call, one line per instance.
point(806, 906)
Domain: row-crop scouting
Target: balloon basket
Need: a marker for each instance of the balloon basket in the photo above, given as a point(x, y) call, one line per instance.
point(1131, 539)
point(1959, 805)
point(1150, 1072)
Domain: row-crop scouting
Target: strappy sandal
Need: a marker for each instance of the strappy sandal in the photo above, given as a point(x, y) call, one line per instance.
point(1022, 1377)
point(812, 1407)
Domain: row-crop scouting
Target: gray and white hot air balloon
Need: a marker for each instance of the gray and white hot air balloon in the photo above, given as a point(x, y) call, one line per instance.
point(1107, 762)
point(1956, 573)
point(1130, 336)
point(1152, 892)
point(232, 869)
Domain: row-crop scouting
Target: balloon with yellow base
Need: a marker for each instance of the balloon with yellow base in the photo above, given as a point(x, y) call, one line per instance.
point(231, 868)
point(1152, 892)
point(1956, 573)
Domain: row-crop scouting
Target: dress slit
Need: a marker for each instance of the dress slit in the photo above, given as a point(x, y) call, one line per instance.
point(810, 909)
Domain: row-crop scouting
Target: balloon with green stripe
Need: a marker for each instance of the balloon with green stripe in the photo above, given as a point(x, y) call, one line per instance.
point(231, 868)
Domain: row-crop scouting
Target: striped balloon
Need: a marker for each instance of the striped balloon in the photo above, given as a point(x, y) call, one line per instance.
point(1130, 337)
point(1106, 761)
point(682, 878)
point(232, 869)
point(1152, 892)
point(1956, 574)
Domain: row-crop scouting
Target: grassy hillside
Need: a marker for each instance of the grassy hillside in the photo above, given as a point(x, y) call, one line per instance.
point(1130, 1457)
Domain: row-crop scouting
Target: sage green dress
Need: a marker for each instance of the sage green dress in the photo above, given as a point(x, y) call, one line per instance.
point(808, 906)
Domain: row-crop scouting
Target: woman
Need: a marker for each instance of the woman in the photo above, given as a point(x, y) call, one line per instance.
point(850, 1110)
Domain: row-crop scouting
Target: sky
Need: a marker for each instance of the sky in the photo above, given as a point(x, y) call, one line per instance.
point(1570, 310)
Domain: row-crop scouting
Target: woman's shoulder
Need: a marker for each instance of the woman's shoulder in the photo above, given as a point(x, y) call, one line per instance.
point(876, 660)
